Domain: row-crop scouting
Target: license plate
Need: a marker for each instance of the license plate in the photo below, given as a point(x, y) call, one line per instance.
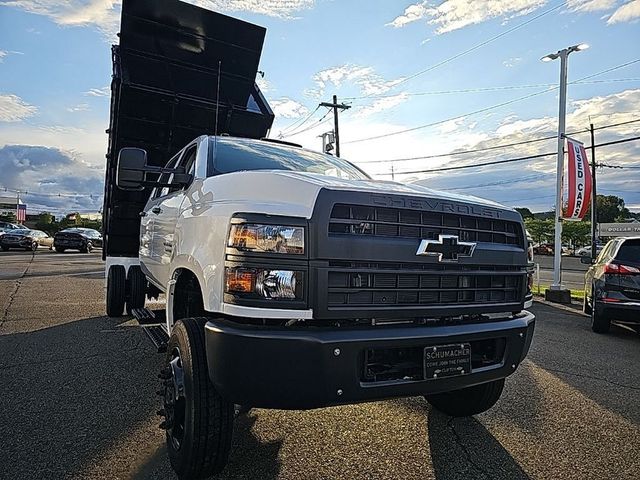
point(447, 360)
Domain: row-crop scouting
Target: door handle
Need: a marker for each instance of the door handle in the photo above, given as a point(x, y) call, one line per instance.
point(156, 210)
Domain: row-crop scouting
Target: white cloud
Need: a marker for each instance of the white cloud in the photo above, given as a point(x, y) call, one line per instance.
point(411, 14)
point(512, 62)
point(264, 85)
point(3, 53)
point(455, 14)
point(81, 107)
point(452, 15)
point(105, 14)
point(590, 5)
point(367, 81)
point(288, 108)
point(99, 92)
point(628, 12)
point(381, 104)
point(14, 109)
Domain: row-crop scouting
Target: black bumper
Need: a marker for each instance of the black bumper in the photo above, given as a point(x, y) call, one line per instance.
point(289, 368)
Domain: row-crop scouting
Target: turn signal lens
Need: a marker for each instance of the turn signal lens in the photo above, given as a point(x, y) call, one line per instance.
point(240, 281)
point(267, 238)
point(265, 283)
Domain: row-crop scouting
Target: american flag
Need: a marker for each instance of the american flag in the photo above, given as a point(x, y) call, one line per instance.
point(21, 212)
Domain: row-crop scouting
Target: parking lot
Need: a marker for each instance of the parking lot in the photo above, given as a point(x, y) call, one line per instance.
point(78, 401)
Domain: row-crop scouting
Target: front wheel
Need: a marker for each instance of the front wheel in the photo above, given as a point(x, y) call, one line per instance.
point(5, 249)
point(199, 422)
point(467, 401)
point(33, 247)
point(87, 248)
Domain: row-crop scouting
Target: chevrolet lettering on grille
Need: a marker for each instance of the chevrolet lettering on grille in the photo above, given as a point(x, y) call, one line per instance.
point(447, 248)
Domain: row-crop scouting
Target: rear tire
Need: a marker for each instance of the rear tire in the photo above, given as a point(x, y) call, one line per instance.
point(5, 249)
point(136, 287)
point(86, 248)
point(467, 401)
point(116, 285)
point(600, 323)
point(199, 422)
point(59, 249)
point(34, 247)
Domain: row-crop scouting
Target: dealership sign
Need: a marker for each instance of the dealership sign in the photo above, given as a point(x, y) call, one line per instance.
point(618, 229)
point(579, 181)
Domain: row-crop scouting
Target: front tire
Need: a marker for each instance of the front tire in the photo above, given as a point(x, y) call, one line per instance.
point(467, 401)
point(5, 249)
point(199, 422)
point(116, 285)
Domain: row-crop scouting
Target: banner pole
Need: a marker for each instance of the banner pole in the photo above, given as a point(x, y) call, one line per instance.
point(594, 212)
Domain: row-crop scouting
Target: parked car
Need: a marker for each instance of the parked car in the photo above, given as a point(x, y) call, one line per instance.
point(586, 251)
point(612, 284)
point(83, 239)
point(6, 227)
point(25, 239)
point(543, 249)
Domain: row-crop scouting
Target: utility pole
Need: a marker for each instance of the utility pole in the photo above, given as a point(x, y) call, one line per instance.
point(594, 213)
point(336, 106)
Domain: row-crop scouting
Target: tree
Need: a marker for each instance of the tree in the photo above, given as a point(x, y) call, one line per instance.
point(540, 230)
point(47, 223)
point(576, 233)
point(525, 212)
point(610, 209)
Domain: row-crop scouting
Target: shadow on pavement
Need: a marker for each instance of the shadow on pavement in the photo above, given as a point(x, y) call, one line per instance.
point(79, 401)
point(462, 448)
point(601, 367)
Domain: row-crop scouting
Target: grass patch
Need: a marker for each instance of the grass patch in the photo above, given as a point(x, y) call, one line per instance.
point(575, 294)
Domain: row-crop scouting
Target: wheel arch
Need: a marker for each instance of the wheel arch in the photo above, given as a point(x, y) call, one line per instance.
point(185, 297)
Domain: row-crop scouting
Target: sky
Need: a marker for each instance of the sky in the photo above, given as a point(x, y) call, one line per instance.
point(424, 81)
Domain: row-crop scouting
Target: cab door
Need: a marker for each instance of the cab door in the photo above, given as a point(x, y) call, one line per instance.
point(166, 215)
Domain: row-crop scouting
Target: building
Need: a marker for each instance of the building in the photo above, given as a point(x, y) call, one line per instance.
point(9, 205)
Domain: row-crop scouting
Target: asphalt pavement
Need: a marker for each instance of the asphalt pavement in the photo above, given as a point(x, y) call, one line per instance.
point(572, 271)
point(78, 402)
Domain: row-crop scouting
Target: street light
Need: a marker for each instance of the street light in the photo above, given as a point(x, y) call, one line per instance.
point(557, 253)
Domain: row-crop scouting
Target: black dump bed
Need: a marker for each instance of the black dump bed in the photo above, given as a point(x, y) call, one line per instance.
point(164, 94)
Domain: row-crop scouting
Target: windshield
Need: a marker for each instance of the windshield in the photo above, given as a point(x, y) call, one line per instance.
point(240, 154)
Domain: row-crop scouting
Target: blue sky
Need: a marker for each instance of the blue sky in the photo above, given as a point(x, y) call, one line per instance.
point(55, 66)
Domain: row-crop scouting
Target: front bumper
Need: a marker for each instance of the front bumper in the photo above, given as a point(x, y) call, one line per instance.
point(298, 368)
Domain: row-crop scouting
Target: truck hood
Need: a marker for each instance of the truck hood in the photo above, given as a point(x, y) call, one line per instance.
point(379, 186)
point(282, 192)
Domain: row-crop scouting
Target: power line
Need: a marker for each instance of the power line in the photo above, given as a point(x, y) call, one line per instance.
point(477, 46)
point(492, 107)
point(492, 89)
point(495, 147)
point(61, 195)
point(311, 127)
point(294, 125)
point(502, 182)
point(508, 160)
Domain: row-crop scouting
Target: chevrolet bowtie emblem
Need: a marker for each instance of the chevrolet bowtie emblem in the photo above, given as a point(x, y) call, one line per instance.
point(447, 248)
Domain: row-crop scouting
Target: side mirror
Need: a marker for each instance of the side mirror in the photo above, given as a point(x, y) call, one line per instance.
point(130, 174)
point(587, 260)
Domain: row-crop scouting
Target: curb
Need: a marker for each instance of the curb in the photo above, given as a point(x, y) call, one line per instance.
point(560, 307)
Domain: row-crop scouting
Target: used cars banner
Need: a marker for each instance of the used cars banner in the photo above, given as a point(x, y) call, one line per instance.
point(579, 181)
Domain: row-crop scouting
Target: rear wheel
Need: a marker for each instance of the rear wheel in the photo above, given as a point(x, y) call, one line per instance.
point(600, 323)
point(467, 401)
point(198, 421)
point(33, 247)
point(59, 249)
point(5, 249)
point(87, 248)
point(116, 285)
point(136, 288)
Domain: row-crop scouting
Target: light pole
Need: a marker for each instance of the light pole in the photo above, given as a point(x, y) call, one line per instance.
point(557, 249)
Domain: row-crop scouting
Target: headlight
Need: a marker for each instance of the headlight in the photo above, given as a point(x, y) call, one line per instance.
point(267, 238)
point(265, 283)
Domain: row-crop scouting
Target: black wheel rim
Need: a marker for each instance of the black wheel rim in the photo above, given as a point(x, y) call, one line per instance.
point(174, 401)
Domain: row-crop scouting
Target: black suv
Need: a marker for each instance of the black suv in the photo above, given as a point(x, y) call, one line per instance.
point(612, 284)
